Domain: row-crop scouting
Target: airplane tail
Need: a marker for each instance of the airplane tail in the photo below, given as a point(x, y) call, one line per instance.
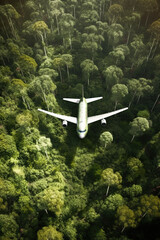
point(77, 100)
point(82, 91)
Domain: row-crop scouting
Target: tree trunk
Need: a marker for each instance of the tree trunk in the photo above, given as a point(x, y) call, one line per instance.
point(150, 51)
point(138, 98)
point(155, 102)
point(132, 138)
point(70, 41)
point(115, 106)
point(60, 73)
point(88, 81)
point(67, 71)
point(44, 96)
point(100, 11)
point(46, 154)
point(144, 215)
point(12, 28)
point(132, 99)
point(43, 43)
point(129, 33)
point(74, 11)
point(57, 25)
point(46, 210)
point(107, 190)
point(5, 31)
point(146, 19)
point(3, 61)
point(139, 23)
point(123, 229)
point(155, 48)
point(23, 98)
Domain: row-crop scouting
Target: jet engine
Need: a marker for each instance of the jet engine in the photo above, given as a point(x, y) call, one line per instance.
point(103, 122)
point(64, 123)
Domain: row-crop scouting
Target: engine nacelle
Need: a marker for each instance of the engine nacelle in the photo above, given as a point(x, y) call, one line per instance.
point(103, 122)
point(64, 123)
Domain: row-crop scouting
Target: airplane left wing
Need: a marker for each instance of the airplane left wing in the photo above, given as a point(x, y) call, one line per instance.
point(62, 117)
point(105, 115)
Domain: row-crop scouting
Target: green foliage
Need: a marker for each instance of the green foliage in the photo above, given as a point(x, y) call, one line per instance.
point(49, 233)
point(106, 138)
point(52, 183)
point(111, 203)
point(110, 178)
point(8, 226)
point(27, 64)
point(50, 199)
point(144, 114)
point(149, 205)
point(133, 191)
point(126, 217)
point(7, 147)
point(113, 74)
point(88, 67)
point(138, 126)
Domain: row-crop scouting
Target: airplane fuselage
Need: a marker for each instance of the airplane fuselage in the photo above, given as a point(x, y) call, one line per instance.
point(82, 120)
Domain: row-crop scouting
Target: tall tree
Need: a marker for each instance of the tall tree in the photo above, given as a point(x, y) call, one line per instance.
point(51, 199)
point(119, 53)
point(114, 13)
point(56, 8)
point(66, 24)
point(154, 29)
point(147, 6)
point(138, 126)
point(130, 21)
point(68, 60)
point(41, 29)
point(11, 15)
point(126, 217)
point(113, 74)
point(149, 205)
point(115, 34)
point(106, 138)
point(110, 178)
point(88, 67)
point(49, 232)
point(119, 91)
point(43, 144)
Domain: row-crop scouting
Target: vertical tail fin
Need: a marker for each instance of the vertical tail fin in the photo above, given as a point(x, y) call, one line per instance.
point(82, 91)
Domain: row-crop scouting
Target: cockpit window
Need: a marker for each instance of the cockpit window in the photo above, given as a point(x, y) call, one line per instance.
point(82, 131)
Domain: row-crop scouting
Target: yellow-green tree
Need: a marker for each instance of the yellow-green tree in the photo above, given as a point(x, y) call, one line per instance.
point(110, 178)
point(49, 233)
point(41, 29)
point(125, 217)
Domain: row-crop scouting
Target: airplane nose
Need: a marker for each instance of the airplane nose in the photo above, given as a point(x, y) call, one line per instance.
point(82, 136)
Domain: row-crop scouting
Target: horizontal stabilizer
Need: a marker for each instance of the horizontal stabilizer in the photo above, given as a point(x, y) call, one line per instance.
point(73, 100)
point(89, 100)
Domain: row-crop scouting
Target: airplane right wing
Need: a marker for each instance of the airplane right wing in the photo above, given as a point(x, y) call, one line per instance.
point(105, 115)
point(62, 117)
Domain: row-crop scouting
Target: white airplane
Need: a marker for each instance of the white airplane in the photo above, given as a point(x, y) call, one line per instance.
point(83, 120)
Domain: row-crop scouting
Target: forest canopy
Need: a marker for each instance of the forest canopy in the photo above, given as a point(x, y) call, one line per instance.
point(54, 185)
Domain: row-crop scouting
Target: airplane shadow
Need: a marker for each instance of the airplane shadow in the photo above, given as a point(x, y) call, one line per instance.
point(72, 142)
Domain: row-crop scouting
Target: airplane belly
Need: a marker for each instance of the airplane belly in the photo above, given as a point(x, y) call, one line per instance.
point(82, 125)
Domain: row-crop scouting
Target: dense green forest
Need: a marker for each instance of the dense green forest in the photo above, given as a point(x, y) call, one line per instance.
point(54, 185)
